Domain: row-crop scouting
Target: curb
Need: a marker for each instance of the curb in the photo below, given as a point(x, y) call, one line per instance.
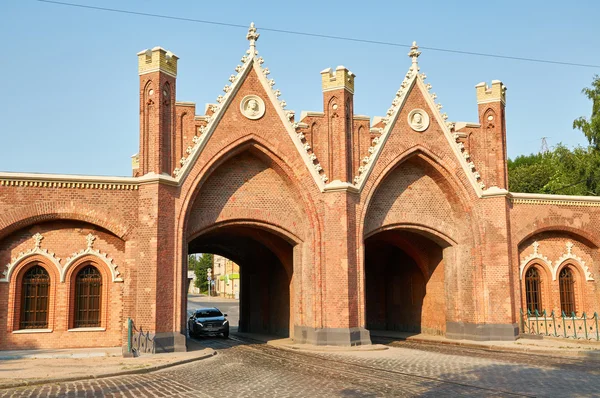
point(329, 348)
point(521, 350)
point(105, 375)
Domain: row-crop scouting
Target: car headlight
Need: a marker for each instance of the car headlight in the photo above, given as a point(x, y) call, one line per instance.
point(199, 324)
point(225, 322)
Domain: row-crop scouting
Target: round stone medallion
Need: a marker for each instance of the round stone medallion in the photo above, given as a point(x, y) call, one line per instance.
point(252, 106)
point(418, 120)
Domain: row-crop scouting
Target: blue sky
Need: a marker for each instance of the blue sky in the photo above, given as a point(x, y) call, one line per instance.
point(70, 98)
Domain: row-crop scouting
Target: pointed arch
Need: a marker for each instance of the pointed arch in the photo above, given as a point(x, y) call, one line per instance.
point(431, 160)
point(258, 146)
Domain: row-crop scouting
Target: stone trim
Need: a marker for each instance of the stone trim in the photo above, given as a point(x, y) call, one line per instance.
point(557, 200)
point(576, 260)
point(87, 330)
point(72, 184)
point(69, 262)
point(27, 331)
point(37, 250)
point(332, 336)
point(304, 114)
point(482, 331)
point(62, 270)
point(568, 255)
point(535, 256)
point(251, 61)
point(411, 80)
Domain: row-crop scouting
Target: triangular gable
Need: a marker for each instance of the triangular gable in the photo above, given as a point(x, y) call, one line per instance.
point(251, 61)
point(411, 81)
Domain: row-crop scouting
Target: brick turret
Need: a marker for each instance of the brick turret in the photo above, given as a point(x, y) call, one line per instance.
point(491, 143)
point(338, 107)
point(158, 71)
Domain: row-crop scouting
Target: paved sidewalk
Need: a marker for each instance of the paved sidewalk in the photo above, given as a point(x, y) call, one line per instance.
point(525, 344)
point(546, 346)
point(28, 367)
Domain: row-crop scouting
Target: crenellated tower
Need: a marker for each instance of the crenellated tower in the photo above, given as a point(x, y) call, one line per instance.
point(490, 142)
point(338, 137)
point(158, 72)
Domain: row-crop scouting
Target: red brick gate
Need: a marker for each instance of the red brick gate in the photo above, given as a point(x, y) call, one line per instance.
point(341, 224)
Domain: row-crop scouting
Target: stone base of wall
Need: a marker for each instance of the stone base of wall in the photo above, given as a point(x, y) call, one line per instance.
point(170, 342)
point(332, 336)
point(482, 332)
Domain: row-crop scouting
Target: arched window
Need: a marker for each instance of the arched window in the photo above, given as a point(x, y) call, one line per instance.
point(35, 298)
point(533, 292)
point(567, 291)
point(88, 296)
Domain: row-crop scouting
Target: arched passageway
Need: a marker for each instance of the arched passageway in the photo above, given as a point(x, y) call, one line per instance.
point(266, 269)
point(404, 276)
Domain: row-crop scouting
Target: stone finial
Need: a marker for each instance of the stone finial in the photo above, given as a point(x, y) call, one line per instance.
point(569, 248)
point(90, 240)
point(38, 240)
point(252, 35)
point(414, 52)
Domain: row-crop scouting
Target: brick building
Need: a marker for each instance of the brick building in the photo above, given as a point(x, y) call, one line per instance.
point(340, 225)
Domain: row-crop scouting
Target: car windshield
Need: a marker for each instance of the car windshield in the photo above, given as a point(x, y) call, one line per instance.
point(208, 313)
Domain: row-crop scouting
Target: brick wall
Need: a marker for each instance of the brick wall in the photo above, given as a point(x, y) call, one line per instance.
point(250, 186)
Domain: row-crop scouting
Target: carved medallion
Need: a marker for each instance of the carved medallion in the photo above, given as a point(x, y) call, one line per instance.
point(418, 120)
point(253, 107)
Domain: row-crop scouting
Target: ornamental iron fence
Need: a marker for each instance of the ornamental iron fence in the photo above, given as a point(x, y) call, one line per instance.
point(573, 326)
point(138, 341)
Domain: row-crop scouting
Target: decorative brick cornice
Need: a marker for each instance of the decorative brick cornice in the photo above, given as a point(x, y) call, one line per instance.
point(9, 179)
point(67, 184)
point(556, 200)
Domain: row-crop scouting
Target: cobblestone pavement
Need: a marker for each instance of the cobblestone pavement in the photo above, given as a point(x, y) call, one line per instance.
point(258, 370)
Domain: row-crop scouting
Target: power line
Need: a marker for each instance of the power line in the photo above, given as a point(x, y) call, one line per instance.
point(318, 35)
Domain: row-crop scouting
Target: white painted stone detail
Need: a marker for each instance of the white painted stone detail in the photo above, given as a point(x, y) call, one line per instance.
point(89, 250)
point(418, 120)
point(37, 250)
point(575, 260)
point(534, 256)
point(252, 106)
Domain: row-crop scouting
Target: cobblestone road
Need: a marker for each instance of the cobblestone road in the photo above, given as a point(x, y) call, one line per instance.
point(407, 369)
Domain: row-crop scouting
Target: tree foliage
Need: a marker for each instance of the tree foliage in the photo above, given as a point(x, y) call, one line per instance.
point(200, 266)
point(562, 170)
point(591, 127)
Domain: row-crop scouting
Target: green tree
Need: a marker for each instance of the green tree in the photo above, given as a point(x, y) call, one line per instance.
point(560, 171)
point(591, 127)
point(200, 266)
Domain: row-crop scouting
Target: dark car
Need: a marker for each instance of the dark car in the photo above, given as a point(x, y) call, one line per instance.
point(208, 321)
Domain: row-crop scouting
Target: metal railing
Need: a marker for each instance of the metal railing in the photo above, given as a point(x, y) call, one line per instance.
point(573, 327)
point(138, 341)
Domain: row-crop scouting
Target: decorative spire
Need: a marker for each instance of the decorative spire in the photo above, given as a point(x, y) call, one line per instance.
point(252, 35)
point(414, 52)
